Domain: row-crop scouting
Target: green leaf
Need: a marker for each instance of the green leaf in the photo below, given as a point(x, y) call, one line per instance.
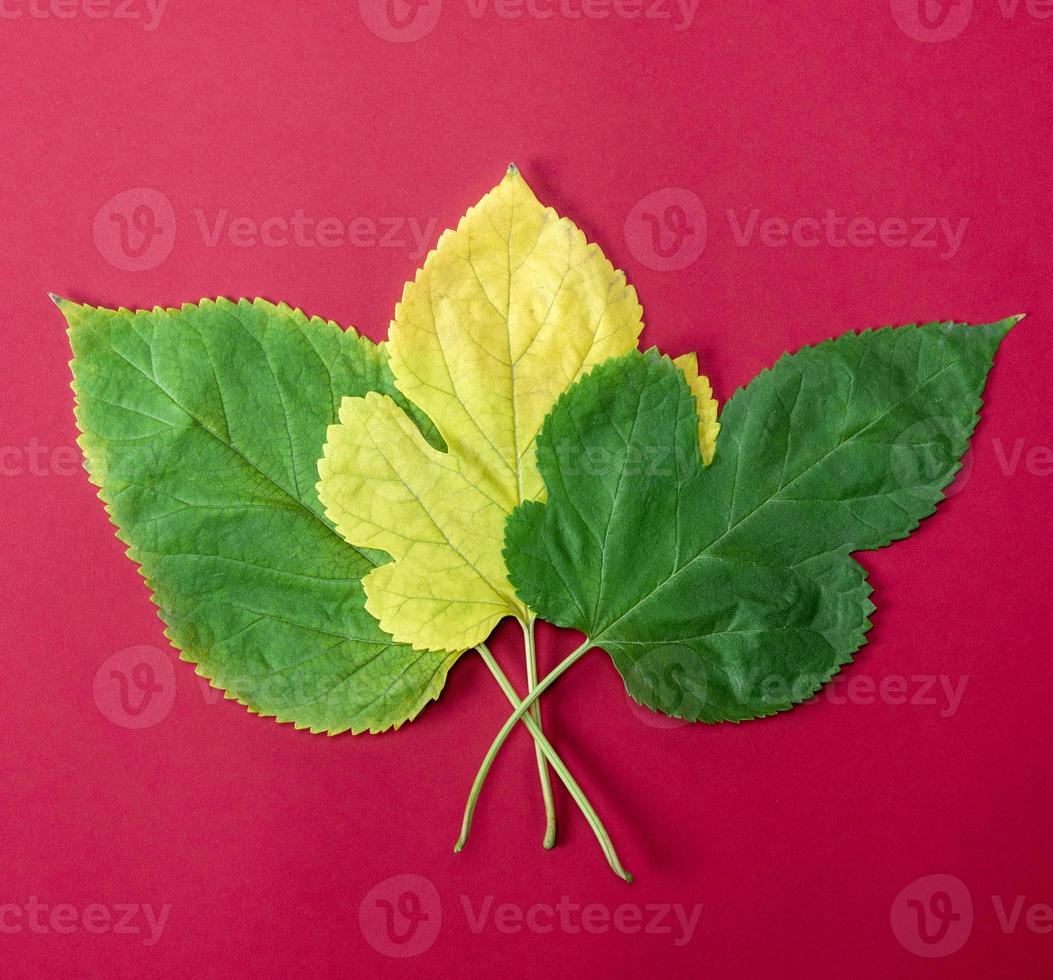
point(727, 592)
point(201, 428)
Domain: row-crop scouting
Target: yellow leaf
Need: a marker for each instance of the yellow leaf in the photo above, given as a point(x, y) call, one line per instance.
point(708, 426)
point(385, 487)
point(508, 311)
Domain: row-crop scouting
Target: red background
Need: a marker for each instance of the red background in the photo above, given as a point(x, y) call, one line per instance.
point(795, 834)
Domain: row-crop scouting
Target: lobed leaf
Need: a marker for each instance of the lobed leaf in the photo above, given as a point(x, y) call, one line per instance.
point(728, 592)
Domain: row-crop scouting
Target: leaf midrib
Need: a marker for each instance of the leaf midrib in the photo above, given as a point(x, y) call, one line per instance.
point(237, 452)
point(706, 551)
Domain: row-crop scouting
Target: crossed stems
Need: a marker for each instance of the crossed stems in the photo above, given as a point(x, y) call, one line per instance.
point(528, 713)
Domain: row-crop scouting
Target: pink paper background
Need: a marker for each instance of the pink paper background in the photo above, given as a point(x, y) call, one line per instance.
point(795, 834)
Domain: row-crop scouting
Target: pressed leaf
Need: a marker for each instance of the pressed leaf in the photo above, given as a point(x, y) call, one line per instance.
point(200, 426)
point(728, 592)
point(506, 313)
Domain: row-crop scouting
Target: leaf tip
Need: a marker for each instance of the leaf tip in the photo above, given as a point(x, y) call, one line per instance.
point(512, 171)
point(70, 310)
point(1005, 325)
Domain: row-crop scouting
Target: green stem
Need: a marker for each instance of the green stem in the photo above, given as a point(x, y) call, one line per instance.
point(522, 713)
point(535, 713)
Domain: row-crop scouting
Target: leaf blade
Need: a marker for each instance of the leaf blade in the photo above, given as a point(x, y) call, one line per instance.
point(883, 415)
point(208, 476)
point(714, 569)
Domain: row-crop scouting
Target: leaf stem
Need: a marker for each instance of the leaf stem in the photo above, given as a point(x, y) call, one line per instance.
point(523, 714)
point(549, 840)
